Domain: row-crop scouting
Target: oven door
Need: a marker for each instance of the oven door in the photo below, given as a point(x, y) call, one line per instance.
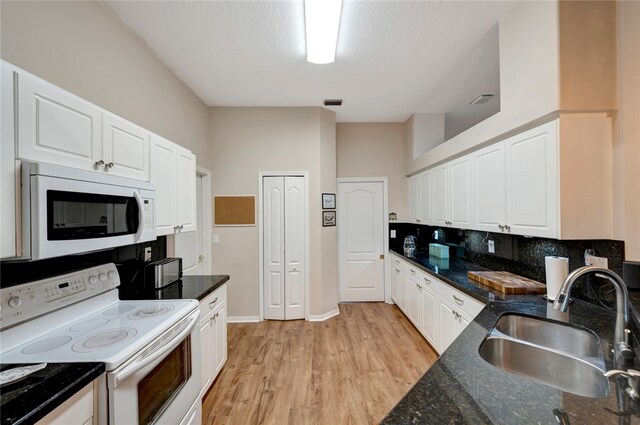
point(72, 216)
point(162, 382)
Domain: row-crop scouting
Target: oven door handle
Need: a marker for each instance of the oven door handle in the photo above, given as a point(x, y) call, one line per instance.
point(168, 342)
point(136, 195)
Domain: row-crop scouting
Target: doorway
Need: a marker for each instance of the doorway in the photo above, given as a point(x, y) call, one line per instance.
point(284, 246)
point(362, 238)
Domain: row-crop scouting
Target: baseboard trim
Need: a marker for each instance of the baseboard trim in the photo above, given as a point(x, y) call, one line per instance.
point(323, 317)
point(243, 319)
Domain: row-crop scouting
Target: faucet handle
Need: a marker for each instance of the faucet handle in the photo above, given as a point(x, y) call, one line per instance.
point(626, 351)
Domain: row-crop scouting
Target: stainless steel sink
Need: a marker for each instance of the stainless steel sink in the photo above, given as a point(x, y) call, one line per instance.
point(564, 357)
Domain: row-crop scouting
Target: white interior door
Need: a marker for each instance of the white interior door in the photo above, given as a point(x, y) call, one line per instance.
point(361, 237)
point(284, 247)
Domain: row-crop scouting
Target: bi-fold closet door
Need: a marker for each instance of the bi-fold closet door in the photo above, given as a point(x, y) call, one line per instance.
point(284, 218)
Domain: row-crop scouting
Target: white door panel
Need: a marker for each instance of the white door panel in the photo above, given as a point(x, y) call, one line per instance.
point(125, 145)
point(164, 175)
point(441, 196)
point(460, 194)
point(490, 192)
point(274, 247)
point(360, 230)
point(294, 247)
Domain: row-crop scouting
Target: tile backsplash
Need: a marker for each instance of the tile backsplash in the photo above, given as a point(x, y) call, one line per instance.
point(128, 260)
point(520, 255)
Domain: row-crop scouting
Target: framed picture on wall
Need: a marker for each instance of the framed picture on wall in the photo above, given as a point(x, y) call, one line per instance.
point(328, 218)
point(328, 201)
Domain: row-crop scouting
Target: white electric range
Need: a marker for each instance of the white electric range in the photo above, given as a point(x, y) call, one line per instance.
point(150, 353)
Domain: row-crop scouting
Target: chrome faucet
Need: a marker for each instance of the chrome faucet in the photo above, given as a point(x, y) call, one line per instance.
point(622, 333)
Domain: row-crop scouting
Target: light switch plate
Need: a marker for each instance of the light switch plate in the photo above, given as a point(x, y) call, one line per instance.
point(393, 233)
point(147, 253)
point(491, 246)
point(215, 239)
point(602, 262)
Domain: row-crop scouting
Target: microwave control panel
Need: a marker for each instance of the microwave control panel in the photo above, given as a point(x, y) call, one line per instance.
point(26, 301)
point(148, 213)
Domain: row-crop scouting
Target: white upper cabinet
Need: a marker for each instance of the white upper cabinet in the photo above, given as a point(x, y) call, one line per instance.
point(460, 211)
point(58, 127)
point(489, 191)
point(532, 182)
point(125, 148)
point(10, 229)
point(414, 199)
point(173, 171)
point(186, 190)
point(425, 195)
point(441, 196)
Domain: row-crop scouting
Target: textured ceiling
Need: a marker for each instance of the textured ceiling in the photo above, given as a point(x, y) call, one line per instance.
point(391, 57)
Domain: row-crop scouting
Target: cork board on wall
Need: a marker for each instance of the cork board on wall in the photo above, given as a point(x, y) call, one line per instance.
point(234, 211)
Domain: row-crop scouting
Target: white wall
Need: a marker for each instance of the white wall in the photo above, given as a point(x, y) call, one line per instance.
point(84, 49)
point(246, 141)
point(375, 150)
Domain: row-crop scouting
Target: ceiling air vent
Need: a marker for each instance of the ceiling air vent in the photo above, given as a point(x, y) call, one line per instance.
point(483, 98)
point(333, 102)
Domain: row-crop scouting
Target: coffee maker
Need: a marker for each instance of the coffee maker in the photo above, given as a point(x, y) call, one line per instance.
point(410, 246)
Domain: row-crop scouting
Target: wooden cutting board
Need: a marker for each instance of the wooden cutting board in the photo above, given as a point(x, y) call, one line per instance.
point(508, 283)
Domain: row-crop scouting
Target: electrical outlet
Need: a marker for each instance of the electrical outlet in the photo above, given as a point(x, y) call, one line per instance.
point(147, 253)
point(215, 239)
point(491, 246)
point(393, 233)
point(602, 262)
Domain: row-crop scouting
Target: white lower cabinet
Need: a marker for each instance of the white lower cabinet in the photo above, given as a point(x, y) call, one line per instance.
point(76, 410)
point(439, 311)
point(213, 335)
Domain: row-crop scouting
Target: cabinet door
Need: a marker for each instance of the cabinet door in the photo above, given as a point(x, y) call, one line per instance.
point(125, 148)
point(414, 303)
point(404, 280)
point(206, 353)
point(447, 326)
point(414, 199)
point(186, 190)
point(164, 175)
point(429, 315)
point(441, 196)
point(462, 321)
point(426, 204)
point(220, 338)
point(395, 284)
point(532, 182)
point(57, 127)
point(10, 235)
point(460, 212)
point(489, 189)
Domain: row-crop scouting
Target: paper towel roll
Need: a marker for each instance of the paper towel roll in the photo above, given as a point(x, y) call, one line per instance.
point(557, 269)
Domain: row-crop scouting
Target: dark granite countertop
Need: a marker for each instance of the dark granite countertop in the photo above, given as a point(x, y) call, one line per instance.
point(462, 388)
point(454, 272)
point(188, 288)
point(29, 400)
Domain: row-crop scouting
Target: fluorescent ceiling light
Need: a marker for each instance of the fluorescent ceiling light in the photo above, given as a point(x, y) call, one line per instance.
point(322, 19)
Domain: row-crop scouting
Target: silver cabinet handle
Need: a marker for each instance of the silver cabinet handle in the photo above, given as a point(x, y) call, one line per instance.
point(417, 220)
point(500, 226)
point(212, 303)
point(99, 163)
point(458, 300)
point(427, 280)
point(507, 228)
point(412, 271)
point(110, 165)
point(398, 270)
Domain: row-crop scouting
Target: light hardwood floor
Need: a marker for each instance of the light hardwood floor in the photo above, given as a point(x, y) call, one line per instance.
point(350, 369)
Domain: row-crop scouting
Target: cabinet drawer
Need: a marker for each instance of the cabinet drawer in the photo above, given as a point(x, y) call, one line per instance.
point(469, 305)
point(213, 301)
point(428, 281)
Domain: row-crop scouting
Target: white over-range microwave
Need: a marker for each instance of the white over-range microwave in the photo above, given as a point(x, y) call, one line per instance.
point(68, 211)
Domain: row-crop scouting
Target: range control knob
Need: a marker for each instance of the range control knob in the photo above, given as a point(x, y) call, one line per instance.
point(92, 279)
point(111, 274)
point(102, 277)
point(15, 302)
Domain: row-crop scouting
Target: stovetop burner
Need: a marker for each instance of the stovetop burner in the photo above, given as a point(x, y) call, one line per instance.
point(103, 339)
point(150, 311)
